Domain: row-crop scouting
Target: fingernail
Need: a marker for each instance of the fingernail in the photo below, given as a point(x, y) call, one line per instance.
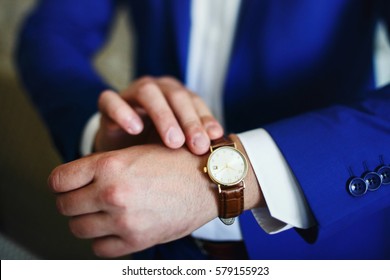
point(135, 126)
point(200, 141)
point(213, 130)
point(175, 137)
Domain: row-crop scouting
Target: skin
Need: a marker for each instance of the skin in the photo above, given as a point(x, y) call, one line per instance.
point(130, 199)
point(155, 110)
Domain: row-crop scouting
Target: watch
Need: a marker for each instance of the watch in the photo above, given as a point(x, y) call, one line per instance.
point(227, 168)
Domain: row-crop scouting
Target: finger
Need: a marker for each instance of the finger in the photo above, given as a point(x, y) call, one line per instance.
point(78, 202)
point(110, 126)
point(91, 225)
point(117, 109)
point(111, 247)
point(110, 136)
point(181, 103)
point(149, 96)
point(72, 175)
point(211, 125)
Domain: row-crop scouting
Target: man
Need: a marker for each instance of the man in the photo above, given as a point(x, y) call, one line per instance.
point(296, 79)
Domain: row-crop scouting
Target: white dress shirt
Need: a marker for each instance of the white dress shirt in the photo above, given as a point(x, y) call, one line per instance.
point(212, 33)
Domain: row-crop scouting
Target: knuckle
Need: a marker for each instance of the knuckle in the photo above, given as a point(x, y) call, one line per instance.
point(134, 236)
point(163, 117)
point(177, 94)
point(61, 207)
point(192, 126)
point(137, 241)
point(76, 230)
point(146, 89)
point(145, 79)
point(113, 196)
point(111, 106)
point(99, 251)
point(108, 163)
point(208, 120)
point(168, 79)
point(124, 224)
point(102, 98)
point(54, 180)
point(196, 98)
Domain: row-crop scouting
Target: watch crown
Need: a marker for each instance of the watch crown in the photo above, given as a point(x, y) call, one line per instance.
point(205, 169)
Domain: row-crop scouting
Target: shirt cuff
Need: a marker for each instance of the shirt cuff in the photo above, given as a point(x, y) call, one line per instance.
point(89, 133)
point(286, 203)
point(215, 230)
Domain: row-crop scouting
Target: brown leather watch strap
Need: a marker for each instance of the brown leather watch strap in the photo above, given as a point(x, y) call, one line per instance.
point(230, 197)
point(231, 200)
point(223, 141)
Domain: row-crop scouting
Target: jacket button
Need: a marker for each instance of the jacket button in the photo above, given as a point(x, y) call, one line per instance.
point(384, 172)
point(373, 181)
point(357, 186)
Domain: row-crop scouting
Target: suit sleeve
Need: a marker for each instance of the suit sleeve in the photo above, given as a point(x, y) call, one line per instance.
point(54, 58)
point(325, 148)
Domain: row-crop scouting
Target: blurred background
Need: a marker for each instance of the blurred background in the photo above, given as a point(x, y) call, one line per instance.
point(28, 217)
point(29, 224)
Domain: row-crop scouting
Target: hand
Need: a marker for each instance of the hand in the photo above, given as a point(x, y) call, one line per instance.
point(127, 201)
point(155, 109)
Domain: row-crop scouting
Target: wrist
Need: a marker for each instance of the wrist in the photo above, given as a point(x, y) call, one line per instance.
point(206, 188)
point(253, 197)
point(235, 185)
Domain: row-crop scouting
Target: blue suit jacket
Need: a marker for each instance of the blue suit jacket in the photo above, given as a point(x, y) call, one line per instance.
point(301, 69)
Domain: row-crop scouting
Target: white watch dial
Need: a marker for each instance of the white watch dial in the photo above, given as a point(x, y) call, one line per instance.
point(227, 166)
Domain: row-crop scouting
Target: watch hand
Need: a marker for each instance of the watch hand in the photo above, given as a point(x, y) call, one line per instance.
point(222, 169)
point(228, 166)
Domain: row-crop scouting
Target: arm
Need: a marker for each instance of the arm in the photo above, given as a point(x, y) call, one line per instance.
point(340, 139)
point(54, 57)
point(106, 182)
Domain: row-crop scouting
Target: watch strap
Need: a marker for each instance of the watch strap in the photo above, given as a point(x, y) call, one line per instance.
point(220, 142)
point(231, 200)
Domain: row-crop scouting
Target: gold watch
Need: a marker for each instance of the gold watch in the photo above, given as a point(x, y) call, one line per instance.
point(227, 168)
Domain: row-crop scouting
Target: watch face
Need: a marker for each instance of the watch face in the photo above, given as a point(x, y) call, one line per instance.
point(227, 166)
